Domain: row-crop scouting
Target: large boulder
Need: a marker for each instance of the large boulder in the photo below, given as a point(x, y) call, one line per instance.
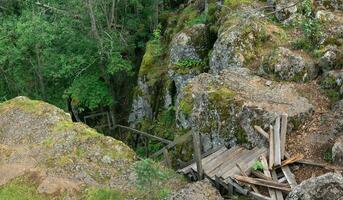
point(202, 190)
point(328, 186)
point(230, 104)
point(332, 58)
point(285, 64)
point(332, 84)
point(285, 9)
point(47, 156)
point(237, 43)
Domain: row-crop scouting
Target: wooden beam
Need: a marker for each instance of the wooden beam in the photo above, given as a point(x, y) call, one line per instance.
point(244, 174)
point(262, 132)
point(278, 193)
point(266, 172)
point(277, 145)
point(271, 147)
point(283, 134)
point(292, 160)
point(167, 159)
point(265, 183)
point(239, 188)
point(145, 134)
point(259, 174)
point(289, 176)
point(197, 154)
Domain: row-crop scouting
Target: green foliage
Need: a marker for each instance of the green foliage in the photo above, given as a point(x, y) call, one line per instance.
point(102, 194)
point(185, 66)
point(20, 189)
point(235, 3)
point(150, 177)
point(257, 166)
point(328, 155)
point(201, 19)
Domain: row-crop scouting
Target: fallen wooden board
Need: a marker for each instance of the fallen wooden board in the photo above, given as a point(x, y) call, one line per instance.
point(244, 174)
point(271, 148)
point(292, 159)
point(266, 172)
point(265, 183)
point(277, 145)
point(283, 133)
point(259, 174)
point(278, 193)
point(289, 176)
point(262, 132)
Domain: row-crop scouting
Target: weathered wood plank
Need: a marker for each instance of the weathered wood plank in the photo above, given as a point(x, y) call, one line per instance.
point(265, 183)
point(289, 176)
point(266, 172)
point(283, 134)
point(214, 163)
point(197, 154)
point(277, 145)
point(167, 159)
point(278, 193)
point(259, 174)
point(244, 174)
point(271, 147)
point(239, 188)
point(246, 162)
point(223, 166)
point(262, 132)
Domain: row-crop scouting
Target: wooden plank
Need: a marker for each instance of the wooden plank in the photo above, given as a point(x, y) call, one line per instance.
point(259, 174)
point(292, 159)
point(277, 145)
point(206, 156)
point(265, 183)
point(266, 172)
point(262, 132)
point(289, 176)
point(213, 163)
point(239, 188)
point(167, 159)
point(278, 193)
point(258, 196)
point(246, 162)
point(145, 134)
point(283, 133)
point(228, 187)
point(224, 164)
point(271, 147)
point(244, 174)
point(197, 154)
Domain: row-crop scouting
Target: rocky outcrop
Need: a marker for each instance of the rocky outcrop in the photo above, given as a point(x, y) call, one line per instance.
point(330, 4)
point(332, 58)
point(288, 65)
point(202, 190)
point(337, 151)
point(230, 104)
point(236, 44)
point(286, 9)
point(40, 144)
point(328, 186)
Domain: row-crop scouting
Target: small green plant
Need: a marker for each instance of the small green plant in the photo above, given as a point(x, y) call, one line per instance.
point(258, 166)
point(201, 19)
point(102, 194)
point(328, 155)
point(190, 63)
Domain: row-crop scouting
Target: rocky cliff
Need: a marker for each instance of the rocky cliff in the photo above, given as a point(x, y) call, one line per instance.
point(237, 65)
point(44, 155)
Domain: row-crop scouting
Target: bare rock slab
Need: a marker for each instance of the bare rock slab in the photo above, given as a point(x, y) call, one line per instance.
point(231, 103)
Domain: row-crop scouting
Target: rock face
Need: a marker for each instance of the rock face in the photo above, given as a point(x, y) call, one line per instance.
point(331, 59)
point(287, 13)
point(288, 65)
point(337, 151)
point(65, 158)
point(235, 45)
point(230, 104)
point(330, 4)
point(328, 186)
point(202, 190)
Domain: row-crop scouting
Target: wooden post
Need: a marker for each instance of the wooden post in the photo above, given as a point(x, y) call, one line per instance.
point(277, 150)
point(283, 134)
point(197, 154)
point(271, 147)
point(266, 172)
point(277, 192)
point(167, 159)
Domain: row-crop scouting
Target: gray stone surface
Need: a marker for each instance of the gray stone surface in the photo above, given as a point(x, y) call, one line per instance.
point(337, 151)
point(230, 104)
point(325, 187)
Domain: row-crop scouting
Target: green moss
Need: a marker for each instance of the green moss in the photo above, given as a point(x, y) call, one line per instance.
point(235, 3)
point(93, 193)
point(82, 130)
point(186, 105)
point(21, 189)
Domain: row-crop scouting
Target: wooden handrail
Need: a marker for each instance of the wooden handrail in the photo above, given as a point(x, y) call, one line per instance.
point(145, 134)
